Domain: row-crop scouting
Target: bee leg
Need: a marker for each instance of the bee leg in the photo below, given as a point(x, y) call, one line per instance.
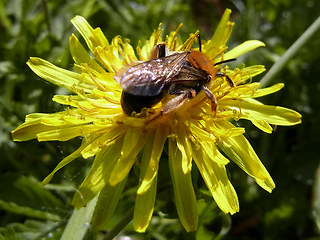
point(173, 104)
point(179, 100)
point(229, 80)
point(180, 90)
point(212, 97)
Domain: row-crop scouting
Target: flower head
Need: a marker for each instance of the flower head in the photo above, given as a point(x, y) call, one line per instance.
point(195, 132)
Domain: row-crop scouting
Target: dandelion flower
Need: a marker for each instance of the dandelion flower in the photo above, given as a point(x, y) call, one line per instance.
point(194, 133)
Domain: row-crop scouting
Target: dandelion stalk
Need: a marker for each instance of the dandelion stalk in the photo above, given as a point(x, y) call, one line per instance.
point(293, 49)
point(120, 226)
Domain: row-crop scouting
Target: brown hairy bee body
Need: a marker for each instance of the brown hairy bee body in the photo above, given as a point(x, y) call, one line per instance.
point(183, 74)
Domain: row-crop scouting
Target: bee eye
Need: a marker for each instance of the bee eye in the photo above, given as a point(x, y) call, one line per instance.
point(209, 77)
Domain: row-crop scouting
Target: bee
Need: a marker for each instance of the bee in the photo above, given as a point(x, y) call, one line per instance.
point(183, 74)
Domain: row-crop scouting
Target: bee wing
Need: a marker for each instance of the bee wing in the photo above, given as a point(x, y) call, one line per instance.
point(124, 69)
point(149, 78)
point(187, 74)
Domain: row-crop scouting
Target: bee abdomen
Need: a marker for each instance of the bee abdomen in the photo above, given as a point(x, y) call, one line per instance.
point(133, 103)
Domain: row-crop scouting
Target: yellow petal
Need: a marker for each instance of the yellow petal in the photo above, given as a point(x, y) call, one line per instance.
point(201, 133)
point(103, 140)
point(239, 150)
point(143, 208)
point(70, 100)
point(216, 179)
point(271, 114)
point(244, 74)
point(113, 96)
point(145, 201)
point(262, 124)
point(103, 212)
point(213, 153)
point(230, 132)
point(241, 91)
point(172, 39)
point(127, 52)
point(68, 159)
point(243, 48)
point(65, 134)
point(109, 59)
point(187, 45)
point(80, 55)
point(154, 149)
point(269, 90)
point(184, 146)
point(58, 119)
point(62, 163)
point(132, 145)
point(253, 91)
point(184, 196)
point(63, 78)
point(98, 175)
point(92, 102)
point(30, 129)
point(217, 44)
point(93, 37)
point(38, 124)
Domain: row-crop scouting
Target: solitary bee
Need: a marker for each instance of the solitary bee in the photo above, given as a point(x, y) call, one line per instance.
point(183, 74)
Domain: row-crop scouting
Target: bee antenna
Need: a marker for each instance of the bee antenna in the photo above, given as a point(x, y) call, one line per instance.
point(199, 40)
point(161, 50)
point(225, 61)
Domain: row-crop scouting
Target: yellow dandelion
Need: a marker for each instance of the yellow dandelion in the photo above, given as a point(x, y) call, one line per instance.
point(195, 131)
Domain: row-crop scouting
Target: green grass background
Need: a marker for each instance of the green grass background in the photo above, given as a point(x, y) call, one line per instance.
point(291, 154)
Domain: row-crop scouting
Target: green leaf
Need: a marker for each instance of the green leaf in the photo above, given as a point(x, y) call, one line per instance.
point(79, 222)
point(316, 200)
point(27, 211)
point(21, 195)
point(31, 230)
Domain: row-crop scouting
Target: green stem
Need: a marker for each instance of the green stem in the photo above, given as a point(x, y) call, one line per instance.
point(294, 48)
point(46, 12)
point(120, 226)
